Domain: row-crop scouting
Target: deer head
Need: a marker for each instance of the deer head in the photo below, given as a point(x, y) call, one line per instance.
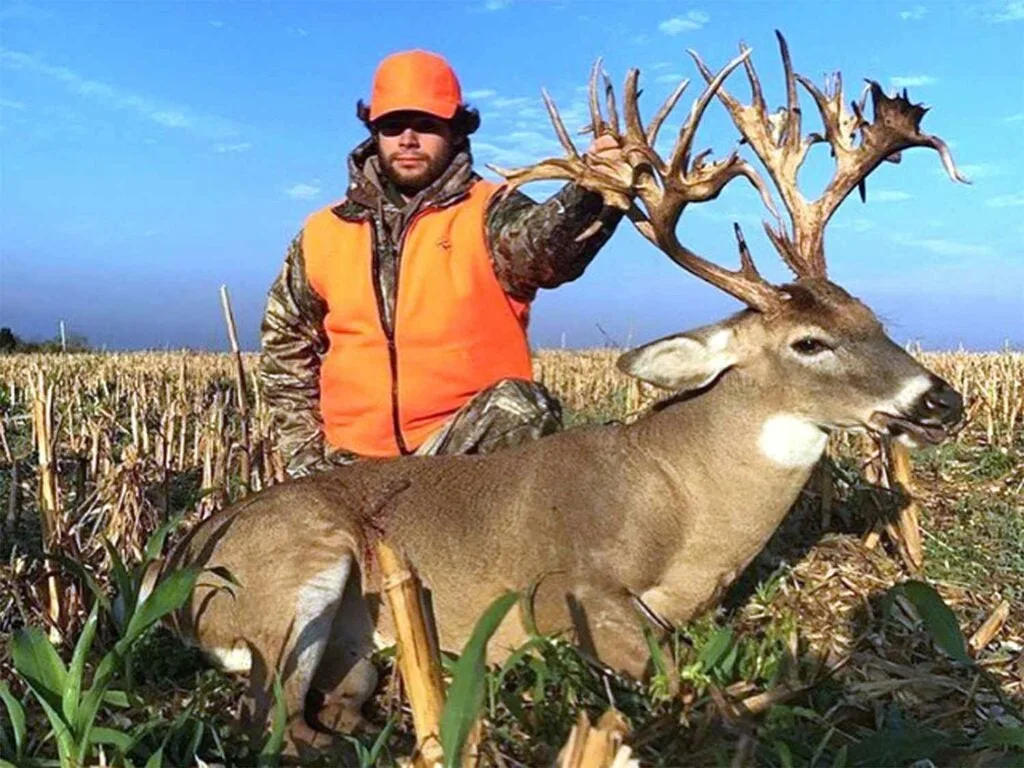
point(822, 353)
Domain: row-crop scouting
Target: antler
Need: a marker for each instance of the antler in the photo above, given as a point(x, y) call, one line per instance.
point(777, 141)
point(663, 187)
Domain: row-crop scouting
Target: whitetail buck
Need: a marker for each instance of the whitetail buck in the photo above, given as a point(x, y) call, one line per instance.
point(626, 524)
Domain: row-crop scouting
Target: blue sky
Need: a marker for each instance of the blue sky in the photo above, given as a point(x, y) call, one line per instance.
point(152, 151)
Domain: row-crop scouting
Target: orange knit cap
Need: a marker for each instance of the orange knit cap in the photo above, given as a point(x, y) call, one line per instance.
point(415, 80)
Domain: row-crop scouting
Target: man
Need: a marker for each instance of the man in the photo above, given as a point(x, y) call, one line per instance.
point(398, 322)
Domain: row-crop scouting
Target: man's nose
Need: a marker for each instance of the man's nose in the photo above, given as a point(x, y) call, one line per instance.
point(941, 404)
point(409, 138)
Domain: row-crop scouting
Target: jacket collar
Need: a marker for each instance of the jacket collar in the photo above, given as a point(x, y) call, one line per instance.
point(369, 191)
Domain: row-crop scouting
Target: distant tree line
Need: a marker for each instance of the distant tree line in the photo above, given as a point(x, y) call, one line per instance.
point(11, 343)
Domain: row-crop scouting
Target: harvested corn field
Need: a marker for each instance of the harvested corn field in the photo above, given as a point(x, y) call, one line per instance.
point(831, 649)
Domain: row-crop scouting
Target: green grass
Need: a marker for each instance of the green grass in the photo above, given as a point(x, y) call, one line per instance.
point(983, 548)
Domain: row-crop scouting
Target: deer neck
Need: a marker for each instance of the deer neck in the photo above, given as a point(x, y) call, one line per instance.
point(737, 464)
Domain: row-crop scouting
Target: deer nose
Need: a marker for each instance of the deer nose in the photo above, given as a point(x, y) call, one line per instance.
point(941, 404)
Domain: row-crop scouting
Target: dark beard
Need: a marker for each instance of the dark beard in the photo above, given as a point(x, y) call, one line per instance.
point(410, 185)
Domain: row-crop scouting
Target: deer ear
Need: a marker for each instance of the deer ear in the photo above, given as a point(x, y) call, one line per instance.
point(684, 362)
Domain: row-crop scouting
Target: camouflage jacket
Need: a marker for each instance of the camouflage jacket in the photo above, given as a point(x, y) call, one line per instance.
point(533, 245)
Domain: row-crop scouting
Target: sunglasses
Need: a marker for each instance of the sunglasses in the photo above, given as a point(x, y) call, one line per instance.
point(396, 126)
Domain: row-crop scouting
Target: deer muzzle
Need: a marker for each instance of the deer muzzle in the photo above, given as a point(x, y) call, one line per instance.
point(932, 417)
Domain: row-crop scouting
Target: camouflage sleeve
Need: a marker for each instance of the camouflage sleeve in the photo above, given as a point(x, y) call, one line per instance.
point(534, 244)
point(293, 342)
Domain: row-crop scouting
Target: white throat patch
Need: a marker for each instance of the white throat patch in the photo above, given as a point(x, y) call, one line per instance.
point(790, 441)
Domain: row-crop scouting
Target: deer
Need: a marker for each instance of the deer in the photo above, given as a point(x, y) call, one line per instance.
point(611, 527)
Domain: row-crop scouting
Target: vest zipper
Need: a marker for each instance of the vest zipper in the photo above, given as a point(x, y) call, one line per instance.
point(389, 330)
point(389, 333)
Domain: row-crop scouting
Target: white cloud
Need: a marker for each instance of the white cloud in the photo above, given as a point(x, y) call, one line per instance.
point(1006, 201)
point(671, 77)
point(217, 24)
point(9, 104)
point(1010, 11)
point(496, 5)
point(691, 21)
point(887, 195)
point(304, 191)
point(1017, 118)
point(942, 246)
point(855, 224)
point(914, 14)
point(168, 115)
point(242, 146)
point(481, 93)
point(511, 102)
point(975, 171)
point(911, 81)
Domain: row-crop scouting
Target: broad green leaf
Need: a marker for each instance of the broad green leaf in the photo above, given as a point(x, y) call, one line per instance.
point(37, 661)
point(785, 754)
point(381, 741)
point(61, 731)
point(170, 594)
point(116, 699)
point(938, 619)
point(155, 543)
point(124, 601)
point(515, 657)
point(16, 714)
point(466, 693)
point(657, 654)
point(715, 649)
point(73, 687)
point(119, 739)
point(156, 760)
point(271, 752)
point(1003, 736)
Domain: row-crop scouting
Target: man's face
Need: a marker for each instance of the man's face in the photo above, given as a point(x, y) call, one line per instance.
point(414, 148)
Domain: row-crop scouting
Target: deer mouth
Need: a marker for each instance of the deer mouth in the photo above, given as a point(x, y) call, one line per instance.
point(930, 434)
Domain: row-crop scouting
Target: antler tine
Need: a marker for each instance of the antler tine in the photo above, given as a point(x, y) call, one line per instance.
point(681, 152)
point(556, 120)
point(664, 110)
point(613, 115)
point(756, 94)
point(791, 130)
point(631, 107)
point(597, 123)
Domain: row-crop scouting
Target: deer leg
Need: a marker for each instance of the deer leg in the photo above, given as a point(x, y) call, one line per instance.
point(346, 677)
point(608, 629)
point(297, 652)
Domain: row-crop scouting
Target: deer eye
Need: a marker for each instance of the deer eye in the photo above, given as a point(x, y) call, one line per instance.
point(810, 346)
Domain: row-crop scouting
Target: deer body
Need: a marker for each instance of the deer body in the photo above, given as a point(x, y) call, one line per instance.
point(600, 515)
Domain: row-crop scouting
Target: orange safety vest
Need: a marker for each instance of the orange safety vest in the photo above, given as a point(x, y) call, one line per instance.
point(455, 330)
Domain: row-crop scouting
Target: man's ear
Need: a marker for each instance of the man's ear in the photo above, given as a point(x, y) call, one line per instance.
point(682, 363)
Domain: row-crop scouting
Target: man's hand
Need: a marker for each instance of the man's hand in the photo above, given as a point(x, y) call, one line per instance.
point(606, 147)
